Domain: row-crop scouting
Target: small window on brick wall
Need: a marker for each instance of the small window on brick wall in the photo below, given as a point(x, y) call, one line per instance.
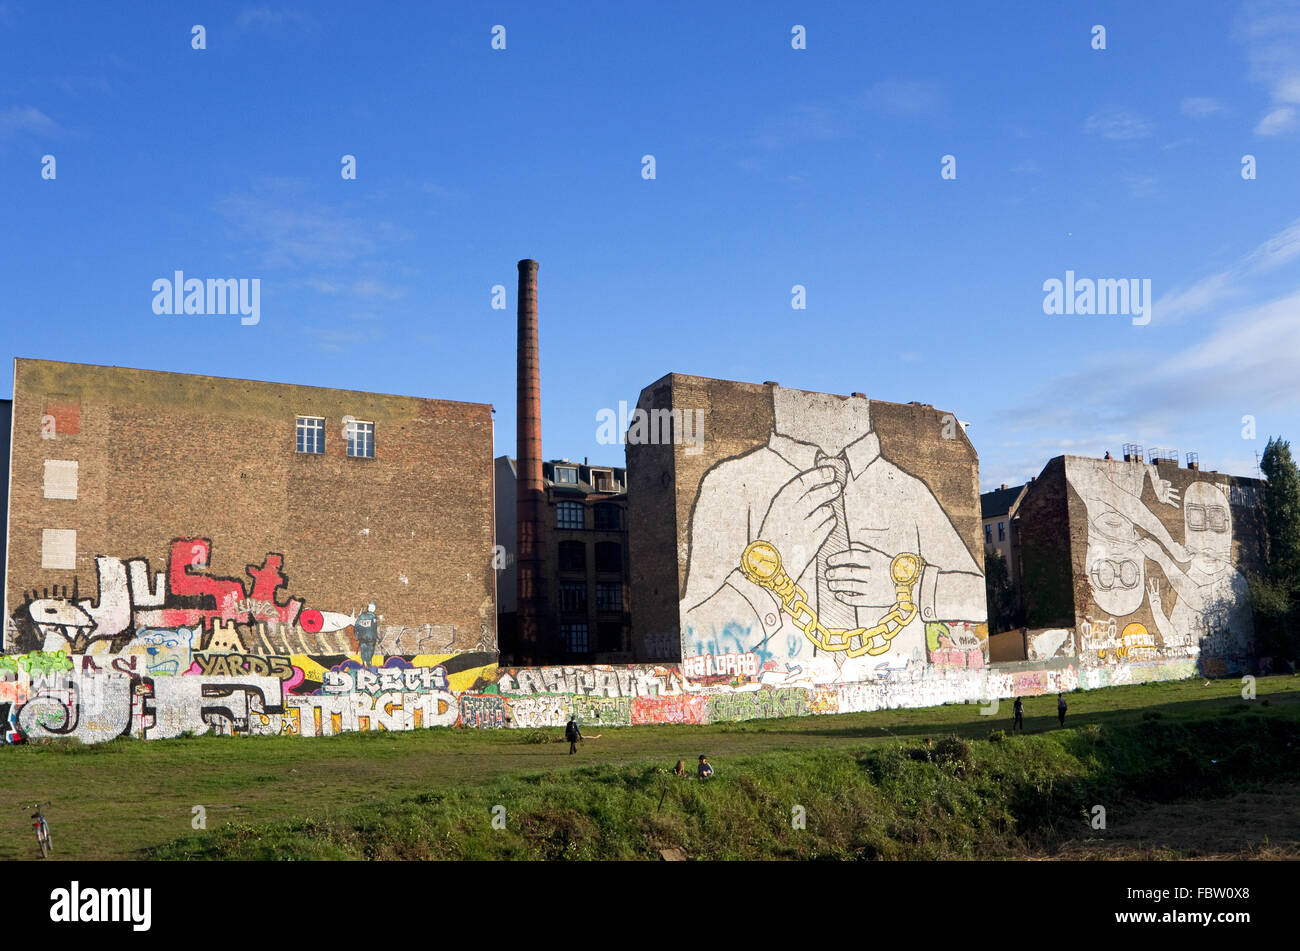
point(361, 439)
point(609, 597)
point(311, 434)
point(569, 515)
point(573, 598)
point(575, 638)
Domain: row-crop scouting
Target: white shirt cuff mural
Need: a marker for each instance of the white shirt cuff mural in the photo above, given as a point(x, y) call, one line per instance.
point(951, 596)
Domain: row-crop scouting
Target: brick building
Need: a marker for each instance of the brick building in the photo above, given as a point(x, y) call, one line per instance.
point(1141, 562)
point(710, 476)
point(584, 606)
point(997, 509)
point(6, 426)
point(260, 515)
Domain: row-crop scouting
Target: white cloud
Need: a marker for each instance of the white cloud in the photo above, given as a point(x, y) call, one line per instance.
point(266, 17)
point(1224, 286)
point(1277, 121)
point(802, 124)
point(1119, 125)
point(904, 98)
point(1270, 32)
point(26, 119)
point(1200, 107)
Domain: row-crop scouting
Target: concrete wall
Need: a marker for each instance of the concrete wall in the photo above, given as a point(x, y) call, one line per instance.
point(47, 695)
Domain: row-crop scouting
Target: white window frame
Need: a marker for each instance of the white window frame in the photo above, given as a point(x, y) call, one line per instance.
point(569, 470)
point(355, 428)
point(300, 430)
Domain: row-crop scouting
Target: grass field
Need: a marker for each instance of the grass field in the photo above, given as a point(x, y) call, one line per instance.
point(427, 793)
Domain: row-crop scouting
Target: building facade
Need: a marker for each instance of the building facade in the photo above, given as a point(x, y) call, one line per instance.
point(1143, 563)
point(584, 599)
point(997, 509)
point(278, 543)
point(789, 538)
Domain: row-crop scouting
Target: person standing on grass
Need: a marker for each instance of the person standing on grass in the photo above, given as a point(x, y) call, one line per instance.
point(1019, 720)
point(573, 734)
point(366, 629)
point(705, 769)
point(1060, 708)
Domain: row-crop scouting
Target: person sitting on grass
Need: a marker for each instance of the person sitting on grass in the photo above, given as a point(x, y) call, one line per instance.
point(705, 769)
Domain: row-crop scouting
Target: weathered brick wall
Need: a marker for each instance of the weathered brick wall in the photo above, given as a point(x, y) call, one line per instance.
point(1046, 582)
point(164, 456)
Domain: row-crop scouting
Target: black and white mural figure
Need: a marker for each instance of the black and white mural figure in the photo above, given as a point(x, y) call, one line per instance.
point(1112, 496)
point(822, 557)
point(1212, 612)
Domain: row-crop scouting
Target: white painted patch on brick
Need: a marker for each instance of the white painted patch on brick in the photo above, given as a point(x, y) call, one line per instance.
point(59, 548)
point(60, 479)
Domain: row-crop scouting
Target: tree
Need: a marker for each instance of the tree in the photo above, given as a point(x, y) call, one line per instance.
point(1275, 594)
point(999, 593)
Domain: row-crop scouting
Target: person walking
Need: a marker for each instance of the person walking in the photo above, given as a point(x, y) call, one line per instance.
point(573, 734)
point(705, 769)
point(1061, 707)
point(1019, 720)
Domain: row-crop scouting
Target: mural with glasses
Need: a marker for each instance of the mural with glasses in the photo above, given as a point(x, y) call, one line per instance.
point(1154, 596)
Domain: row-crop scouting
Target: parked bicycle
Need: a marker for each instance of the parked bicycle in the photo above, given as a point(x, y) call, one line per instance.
point(41, 828)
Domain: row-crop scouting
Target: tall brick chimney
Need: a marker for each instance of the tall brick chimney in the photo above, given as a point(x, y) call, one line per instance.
point(530, 492)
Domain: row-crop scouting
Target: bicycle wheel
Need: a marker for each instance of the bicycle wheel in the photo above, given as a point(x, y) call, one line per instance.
point(45, 844)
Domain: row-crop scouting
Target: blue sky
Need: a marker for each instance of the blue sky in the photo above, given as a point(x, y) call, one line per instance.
point(774, 167)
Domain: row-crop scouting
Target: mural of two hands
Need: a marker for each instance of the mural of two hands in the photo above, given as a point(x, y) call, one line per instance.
point(801, 520)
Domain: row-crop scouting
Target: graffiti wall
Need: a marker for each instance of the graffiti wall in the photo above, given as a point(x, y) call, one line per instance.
point(1158, 561)
point(185, 651)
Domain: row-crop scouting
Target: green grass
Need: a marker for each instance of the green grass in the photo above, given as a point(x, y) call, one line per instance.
point(428, 793)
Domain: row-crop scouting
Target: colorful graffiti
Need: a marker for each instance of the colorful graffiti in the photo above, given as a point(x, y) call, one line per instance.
point(183, 609)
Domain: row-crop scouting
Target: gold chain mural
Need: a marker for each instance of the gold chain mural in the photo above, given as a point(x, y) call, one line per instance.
point(761, 563)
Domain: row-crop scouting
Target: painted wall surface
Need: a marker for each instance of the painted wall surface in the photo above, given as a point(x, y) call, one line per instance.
point(1159, 558)
point(829, 540)
point(186, 651)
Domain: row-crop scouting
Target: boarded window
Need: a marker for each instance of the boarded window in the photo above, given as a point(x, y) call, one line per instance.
point(60, 479)
point(59, 548)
